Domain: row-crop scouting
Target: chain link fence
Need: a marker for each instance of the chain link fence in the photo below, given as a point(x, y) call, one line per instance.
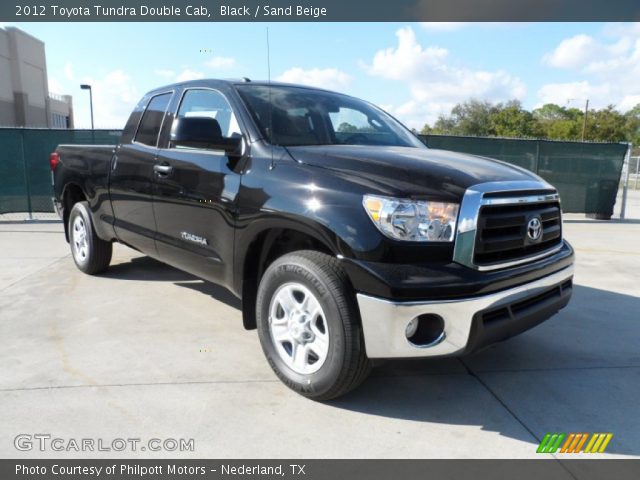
point(634, 173)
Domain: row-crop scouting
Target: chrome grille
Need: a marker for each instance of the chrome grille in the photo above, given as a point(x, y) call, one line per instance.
point(493, 221)
point(502, 231)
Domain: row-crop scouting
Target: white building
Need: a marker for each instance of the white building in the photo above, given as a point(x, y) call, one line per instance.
point(25, 100)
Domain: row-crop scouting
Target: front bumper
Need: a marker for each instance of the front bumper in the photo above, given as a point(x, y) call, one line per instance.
point(433, 281)
point(469, 323)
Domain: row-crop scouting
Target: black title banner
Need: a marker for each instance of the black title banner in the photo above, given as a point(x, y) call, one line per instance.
point(317, 10)
point(547, 469)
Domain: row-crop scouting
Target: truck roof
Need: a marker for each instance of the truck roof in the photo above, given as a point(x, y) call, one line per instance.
point(213, 82)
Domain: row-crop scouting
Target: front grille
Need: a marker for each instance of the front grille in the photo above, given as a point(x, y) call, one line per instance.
point(517, 309)
point(502, 232)
point(499, 323)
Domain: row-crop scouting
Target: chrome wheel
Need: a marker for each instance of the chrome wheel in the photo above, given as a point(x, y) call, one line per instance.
point(79, 239)
point(298, 328)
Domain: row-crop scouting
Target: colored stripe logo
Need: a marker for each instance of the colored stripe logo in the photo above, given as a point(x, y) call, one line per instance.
point(574, 443)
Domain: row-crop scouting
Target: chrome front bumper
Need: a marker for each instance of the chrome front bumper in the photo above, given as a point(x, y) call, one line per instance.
point(384, 322)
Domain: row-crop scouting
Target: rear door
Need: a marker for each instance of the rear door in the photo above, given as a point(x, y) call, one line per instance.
point(132, 177)
point(195, 197)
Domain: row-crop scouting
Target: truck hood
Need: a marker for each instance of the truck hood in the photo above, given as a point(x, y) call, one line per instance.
point(403, 171)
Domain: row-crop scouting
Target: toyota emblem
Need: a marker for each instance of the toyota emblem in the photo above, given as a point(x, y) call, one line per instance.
point(534, 229)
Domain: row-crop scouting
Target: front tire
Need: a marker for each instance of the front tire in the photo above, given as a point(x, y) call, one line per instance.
point(309, 326)
point(90, 253)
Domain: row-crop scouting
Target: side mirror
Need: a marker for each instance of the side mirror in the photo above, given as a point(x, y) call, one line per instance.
point(202, 132)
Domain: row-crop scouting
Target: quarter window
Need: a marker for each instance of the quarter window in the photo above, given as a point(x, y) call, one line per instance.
point(152, 120)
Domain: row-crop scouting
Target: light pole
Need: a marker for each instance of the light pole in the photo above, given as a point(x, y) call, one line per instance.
point(584, 117)
point(584, 121)
point(88, 87)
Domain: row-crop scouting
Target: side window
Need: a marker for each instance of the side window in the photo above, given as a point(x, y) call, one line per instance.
point(212, 104)
point(152, 120)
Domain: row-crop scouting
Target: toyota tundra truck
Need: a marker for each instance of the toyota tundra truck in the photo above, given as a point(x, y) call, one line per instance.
point(344, 236)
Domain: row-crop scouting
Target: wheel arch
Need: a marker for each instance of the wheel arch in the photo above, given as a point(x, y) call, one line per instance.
point(72, 194)
point(266, 246)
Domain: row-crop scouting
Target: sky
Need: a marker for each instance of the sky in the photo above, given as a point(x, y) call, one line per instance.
point(415, 71)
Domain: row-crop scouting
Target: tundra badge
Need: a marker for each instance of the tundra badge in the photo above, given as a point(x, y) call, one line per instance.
point(193, 238)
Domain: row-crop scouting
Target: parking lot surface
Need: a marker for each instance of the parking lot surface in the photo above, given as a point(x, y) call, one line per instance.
point(146, 351)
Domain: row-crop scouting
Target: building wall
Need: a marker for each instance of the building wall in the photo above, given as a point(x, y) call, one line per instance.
point(61, 111)
point(7, 110)
point(24, 92)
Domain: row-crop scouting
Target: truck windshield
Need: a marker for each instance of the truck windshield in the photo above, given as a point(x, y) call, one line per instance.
point(302, 116)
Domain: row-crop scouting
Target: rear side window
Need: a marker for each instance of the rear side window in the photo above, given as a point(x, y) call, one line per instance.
point(152, 120)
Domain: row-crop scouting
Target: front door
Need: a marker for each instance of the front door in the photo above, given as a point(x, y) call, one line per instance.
point(194, 199)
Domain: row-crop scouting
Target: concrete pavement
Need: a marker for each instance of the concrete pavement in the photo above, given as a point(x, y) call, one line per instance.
point(148, 351)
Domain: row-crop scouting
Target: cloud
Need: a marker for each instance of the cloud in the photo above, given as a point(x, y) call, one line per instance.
point(55, 86)
point(435, 84)
point(164, 73)
point(581, 51)
point(184, 75)
point(330, 78)
point(188, 74)
point(68, 72)
point(446, 27)
point(573, 93)
point(114, 96)
point(221, 62)
point(443, 26)
point(570, 53)
point(608, 65)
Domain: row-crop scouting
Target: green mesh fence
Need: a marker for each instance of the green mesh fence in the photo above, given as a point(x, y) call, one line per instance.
point(25, 177)
point(586, 174)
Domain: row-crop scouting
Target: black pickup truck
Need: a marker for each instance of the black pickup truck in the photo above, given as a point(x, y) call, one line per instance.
point(344, 236)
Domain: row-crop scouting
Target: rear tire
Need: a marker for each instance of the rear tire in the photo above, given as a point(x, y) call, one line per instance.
point(309, 326)
point(90, 253)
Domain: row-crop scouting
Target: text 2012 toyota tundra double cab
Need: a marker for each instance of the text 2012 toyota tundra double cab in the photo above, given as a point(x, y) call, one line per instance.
point(345, 237)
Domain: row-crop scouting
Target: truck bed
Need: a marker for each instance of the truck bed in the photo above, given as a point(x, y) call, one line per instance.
point(86, 167)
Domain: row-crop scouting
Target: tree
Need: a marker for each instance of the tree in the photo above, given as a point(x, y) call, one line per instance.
point(347, 128)
point(426, 129)
point(606, 125)
point(472, 118)
point(559, 123)
point(481, 118)
point(444, 125)
point(632, 125)
point(550, 112)
point(511, 120)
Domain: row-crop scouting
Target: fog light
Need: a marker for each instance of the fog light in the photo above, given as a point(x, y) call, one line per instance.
point(427, 330)
point(411, 328)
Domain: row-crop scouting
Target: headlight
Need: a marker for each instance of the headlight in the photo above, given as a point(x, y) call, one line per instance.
point(412, 220)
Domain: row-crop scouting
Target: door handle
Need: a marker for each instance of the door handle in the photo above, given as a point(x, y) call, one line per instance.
point(163, 169)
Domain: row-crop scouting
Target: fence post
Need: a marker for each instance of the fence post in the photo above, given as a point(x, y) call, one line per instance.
point(637, 172)
point(627, 161)
point(26, 175)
